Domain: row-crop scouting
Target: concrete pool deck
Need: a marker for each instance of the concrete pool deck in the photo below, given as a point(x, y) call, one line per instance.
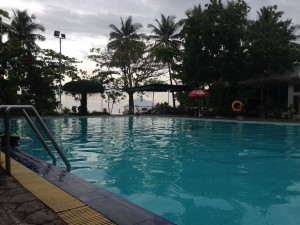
point(62, 198)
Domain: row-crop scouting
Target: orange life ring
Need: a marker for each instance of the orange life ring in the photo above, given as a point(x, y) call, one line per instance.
point(237, 106)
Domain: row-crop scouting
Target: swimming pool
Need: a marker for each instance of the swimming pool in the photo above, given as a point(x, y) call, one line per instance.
point(188, 171)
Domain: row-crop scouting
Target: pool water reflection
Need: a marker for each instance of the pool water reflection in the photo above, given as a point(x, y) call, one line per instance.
point(188, 171)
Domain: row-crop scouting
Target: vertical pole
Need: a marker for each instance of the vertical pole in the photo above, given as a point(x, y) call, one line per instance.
point(152, 100)
point(60, 73)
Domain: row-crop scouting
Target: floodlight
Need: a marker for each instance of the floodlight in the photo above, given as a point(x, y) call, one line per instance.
point(56, 33)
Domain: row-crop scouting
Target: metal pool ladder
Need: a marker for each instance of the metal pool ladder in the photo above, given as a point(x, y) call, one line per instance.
point(6, 114)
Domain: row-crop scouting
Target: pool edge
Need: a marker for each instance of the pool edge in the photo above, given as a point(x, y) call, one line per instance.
point(116, 209)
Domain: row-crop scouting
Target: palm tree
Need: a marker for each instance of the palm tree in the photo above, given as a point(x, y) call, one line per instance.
point(166, 37)
point(23, 30)
point(269, 15)
point(166, 33)
point(119, 38)
point(127, 48)
point(3, 26)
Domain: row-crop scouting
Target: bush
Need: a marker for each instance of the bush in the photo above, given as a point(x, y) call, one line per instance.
point(66, 110)
point(163, 108)
point(96, 113)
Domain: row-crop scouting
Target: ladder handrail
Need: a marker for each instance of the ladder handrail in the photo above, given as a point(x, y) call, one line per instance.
point(23, 108)
point(33, 127)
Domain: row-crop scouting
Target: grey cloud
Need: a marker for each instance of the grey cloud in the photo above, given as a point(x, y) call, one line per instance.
point(92, 17)
point(73, 22)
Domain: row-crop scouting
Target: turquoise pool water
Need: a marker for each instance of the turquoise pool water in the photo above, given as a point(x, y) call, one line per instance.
point(189, 171)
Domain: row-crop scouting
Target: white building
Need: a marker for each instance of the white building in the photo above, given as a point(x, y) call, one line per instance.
point(140, 106)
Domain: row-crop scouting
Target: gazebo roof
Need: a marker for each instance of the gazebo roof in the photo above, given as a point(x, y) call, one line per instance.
point(160, 88)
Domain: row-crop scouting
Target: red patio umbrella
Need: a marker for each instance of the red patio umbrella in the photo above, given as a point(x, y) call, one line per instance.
point(199, 93)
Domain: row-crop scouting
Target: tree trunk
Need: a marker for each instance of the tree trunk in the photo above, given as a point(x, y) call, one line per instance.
point(171, 82)
point(108, 105)
point(83, 102)
point(131, 103)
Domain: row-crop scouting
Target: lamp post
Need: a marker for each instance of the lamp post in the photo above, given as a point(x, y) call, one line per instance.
point(60, 36)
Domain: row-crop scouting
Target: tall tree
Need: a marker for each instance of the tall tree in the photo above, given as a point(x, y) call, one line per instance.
point(21, 49)
point(4, 27)
point(215, 42)
point(8, 90)
point(271, 51)
point(126, 52)
point(24, 28)
point(126, 35)
point(195, 72)
point(167, 42)
point(118, 76)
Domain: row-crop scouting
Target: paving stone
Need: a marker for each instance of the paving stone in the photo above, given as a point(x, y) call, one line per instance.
point(6, 220)
point(29, 206)
point(15, 191)
point(19, 206)
point(4, 199)
point(40, 216)
point(21, 198)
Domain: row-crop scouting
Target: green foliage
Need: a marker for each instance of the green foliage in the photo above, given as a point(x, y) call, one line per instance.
point(165, 54)
point(96, 113)
point(125, 63)
point(80, 86)
point(4, 28)
point(25, 66)
point(112, 93)
point(8, 92)
point(66, 110)
point(271, 51)
point(166, 33)
point(51, 65)
point(214, 42)
point(23, 28)
point(221, 43)
point(127, 49)
point(20, 67)
point(223, 47)
point(166, 48)
point(163, 108)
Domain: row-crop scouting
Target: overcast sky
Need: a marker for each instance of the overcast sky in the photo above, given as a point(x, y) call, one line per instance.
point(86, 22)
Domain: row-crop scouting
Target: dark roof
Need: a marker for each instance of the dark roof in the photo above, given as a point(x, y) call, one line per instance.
point(288, 78)
point(160, 88)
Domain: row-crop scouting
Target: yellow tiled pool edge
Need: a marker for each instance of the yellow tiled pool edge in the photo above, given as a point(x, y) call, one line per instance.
point(66, 206)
